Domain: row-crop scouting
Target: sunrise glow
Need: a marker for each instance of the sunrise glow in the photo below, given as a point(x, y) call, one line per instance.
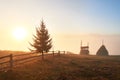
point(68, 22)
point(19, 33)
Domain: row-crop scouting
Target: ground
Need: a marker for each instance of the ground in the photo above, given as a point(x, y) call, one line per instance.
point(67, 67)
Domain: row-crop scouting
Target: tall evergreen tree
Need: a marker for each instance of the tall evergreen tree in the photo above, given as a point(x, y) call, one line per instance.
point(42, 41)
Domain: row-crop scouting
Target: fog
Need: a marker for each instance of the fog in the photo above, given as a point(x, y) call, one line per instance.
point(72, 42)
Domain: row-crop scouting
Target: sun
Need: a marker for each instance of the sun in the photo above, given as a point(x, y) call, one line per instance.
point(19, 33)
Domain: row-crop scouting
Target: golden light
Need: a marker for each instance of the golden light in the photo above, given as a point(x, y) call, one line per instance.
point(20, 33)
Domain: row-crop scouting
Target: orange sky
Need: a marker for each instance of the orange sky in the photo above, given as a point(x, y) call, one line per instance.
point(68, 42)
point(68, 22)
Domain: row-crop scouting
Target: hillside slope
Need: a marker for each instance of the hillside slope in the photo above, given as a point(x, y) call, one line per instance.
point(67, 67)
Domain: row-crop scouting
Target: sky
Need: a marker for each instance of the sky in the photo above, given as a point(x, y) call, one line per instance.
point(68, 22)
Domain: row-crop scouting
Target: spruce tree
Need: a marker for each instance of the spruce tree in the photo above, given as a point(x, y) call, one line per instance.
point(41, 41)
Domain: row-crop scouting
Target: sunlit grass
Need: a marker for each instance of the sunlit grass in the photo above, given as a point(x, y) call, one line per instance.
point(67, 67)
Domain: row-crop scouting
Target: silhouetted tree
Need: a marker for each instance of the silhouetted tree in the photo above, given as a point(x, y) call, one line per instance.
point(42, 41)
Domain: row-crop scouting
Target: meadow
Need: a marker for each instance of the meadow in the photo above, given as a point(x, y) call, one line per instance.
point(67, 67)
point(7, 52)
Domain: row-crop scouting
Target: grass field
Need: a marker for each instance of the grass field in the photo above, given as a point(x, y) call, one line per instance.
point(67, 67)
point(7, 52)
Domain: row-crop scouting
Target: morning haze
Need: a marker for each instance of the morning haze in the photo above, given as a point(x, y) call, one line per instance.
point(68, 22)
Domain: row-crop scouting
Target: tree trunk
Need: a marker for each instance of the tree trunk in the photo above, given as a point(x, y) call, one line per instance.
point(53, 53)
point(42, 56)
point(59, 53)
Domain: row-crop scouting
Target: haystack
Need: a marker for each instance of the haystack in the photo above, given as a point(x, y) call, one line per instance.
point(102, 51)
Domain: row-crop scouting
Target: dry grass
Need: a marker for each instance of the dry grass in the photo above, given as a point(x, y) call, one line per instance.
point(7, 52)
point(67, 67)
